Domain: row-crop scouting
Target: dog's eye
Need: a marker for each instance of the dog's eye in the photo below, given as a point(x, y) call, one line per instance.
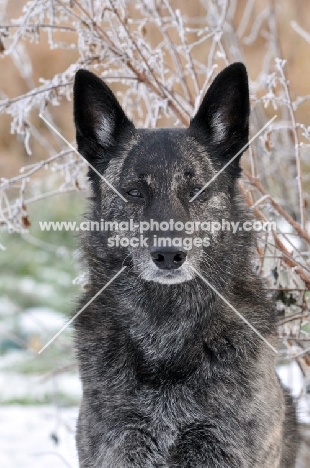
point(135, 193)
point(194, 192)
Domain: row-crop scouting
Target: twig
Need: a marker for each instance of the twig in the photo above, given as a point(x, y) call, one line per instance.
point(301, 231)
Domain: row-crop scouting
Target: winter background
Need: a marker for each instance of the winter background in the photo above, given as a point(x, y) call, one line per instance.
point(159, 56)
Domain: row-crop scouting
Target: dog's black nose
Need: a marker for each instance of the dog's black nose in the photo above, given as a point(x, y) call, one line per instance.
point(168, 259)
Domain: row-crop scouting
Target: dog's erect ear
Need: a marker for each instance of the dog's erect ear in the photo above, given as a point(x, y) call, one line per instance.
point(99, 118)
point(222, 119)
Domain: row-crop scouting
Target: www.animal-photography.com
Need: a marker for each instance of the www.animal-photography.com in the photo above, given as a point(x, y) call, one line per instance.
point(154, 234)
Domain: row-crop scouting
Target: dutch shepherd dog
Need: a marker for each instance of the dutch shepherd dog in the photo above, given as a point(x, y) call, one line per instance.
point(172, 376)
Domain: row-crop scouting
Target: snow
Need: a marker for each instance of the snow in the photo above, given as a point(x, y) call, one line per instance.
point(26, 437)
point(16, 386)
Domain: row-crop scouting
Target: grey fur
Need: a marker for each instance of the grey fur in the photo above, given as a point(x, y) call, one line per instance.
point(171, 376)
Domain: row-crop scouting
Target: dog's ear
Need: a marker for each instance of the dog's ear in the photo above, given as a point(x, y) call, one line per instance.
point(99, 119)
point(222, 120)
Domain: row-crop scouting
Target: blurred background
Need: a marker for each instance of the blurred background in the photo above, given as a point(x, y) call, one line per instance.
point(159, 57)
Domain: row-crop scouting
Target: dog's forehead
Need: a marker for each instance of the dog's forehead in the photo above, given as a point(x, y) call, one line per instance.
point(158, 152)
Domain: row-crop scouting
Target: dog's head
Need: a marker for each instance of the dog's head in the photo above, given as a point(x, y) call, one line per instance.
point(173, 181)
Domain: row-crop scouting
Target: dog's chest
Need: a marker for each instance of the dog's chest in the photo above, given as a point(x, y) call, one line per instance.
point(171, 408)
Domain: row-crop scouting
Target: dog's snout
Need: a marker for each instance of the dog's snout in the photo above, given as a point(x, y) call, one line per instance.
point(168, 259)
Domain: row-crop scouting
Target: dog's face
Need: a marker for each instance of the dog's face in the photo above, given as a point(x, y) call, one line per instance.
point(159, 172)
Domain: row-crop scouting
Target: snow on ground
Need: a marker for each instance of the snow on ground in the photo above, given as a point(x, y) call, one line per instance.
point(27, 441)
point(32, 435)
point(32, 387)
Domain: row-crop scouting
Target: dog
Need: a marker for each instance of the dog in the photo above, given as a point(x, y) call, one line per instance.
point(172, 375)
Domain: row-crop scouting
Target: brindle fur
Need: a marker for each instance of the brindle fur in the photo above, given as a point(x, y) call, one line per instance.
point(171, 376)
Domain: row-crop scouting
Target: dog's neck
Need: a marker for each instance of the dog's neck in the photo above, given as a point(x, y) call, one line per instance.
point(164, 325)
